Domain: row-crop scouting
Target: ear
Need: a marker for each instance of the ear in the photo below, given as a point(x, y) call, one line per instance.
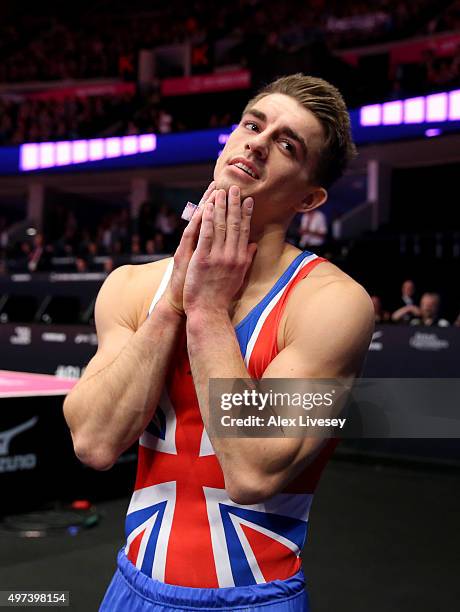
point(317, 196)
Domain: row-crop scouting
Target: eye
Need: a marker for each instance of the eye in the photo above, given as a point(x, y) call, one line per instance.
point(251, 125)
point(288, 146)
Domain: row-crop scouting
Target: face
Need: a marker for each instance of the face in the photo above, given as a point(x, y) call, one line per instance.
point(408, 288)
point(271, 156)
point(429, 305)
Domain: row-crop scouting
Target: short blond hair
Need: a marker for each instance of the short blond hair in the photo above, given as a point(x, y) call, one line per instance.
point(327, 104)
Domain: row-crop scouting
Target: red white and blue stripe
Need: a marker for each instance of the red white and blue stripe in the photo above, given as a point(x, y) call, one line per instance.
point(181, 526)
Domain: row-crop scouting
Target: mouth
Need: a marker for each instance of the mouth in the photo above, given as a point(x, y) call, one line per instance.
point(245, 167)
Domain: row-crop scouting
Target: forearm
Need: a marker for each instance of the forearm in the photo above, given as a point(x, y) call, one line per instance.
point(248, 464)
point(108, 412)
point(400, 313)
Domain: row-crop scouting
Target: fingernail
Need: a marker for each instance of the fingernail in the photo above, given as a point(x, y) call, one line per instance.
point(250, 203)
point(234, 191)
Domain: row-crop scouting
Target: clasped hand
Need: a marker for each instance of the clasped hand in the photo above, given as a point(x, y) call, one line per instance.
point(214, 254)
point(222, 257)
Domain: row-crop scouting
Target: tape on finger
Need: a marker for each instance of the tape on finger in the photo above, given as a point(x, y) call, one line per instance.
point(188, 211)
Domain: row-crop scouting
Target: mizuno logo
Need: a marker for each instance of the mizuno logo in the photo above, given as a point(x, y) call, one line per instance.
point(7, 436)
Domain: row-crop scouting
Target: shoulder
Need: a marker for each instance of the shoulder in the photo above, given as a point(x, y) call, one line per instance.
point(130, 289)
point(328, 286)
point(329, 299)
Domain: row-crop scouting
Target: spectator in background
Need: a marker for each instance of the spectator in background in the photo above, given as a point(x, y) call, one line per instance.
point(92, 249)
point(429, 312)
point(136, 245)
point(117, 248)
point(91, 253)
point(381, 315)
point(37, 259)
point(81, 265)
point(122, 229)
point(167, 223)
point(312, 230)
point(108, 265)
point(3, 234)
point(165, 121)
point(163, 220)
point(105, 234)
point(159, 242)
point(403, 308)
point(150, 248)
point(146, 222)
point(66, 245)
point(83, 244)
point(25, 250)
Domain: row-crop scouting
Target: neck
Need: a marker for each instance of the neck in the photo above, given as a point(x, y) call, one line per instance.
point(272, 257)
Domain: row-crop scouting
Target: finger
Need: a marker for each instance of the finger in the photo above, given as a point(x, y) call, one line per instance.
point(191, 232)
point(207, 193)
point(193, 226)
point(246, 214)
point(233, 220)
point(205, 239)
point(189, 237)
point(220, 210)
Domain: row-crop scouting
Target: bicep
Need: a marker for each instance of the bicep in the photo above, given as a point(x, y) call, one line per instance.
point(115, 320)
point(330, 342)
point(328, 338)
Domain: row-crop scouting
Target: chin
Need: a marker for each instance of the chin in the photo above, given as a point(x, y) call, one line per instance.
point(223, 182)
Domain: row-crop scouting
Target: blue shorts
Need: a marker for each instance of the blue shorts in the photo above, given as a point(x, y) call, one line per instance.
point(133, 591)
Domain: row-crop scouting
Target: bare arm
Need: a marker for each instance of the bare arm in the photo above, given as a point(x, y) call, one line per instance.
point(326, 335)
point(118, 394)
point(329, 339)
point(115, 399)
point(401, 312)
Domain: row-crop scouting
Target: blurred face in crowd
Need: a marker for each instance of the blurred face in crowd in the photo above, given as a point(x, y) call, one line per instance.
point(135, 245)
point(408, 288)
point(92, 248)
point(271, 156)
point(81, 265)
point(429, 305)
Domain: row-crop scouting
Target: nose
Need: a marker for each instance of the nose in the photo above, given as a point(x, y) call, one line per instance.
point(258, 145)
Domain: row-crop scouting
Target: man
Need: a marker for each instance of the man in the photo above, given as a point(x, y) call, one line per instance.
point(427, 313)
point(312, 229)
point(219, 523)
point(404, 309)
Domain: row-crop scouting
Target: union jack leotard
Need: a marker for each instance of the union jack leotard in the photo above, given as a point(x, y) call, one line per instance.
point(181, 526)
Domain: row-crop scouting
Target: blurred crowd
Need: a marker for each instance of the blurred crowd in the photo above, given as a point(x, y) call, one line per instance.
point(268, 38)
point(117, 238)
point(23, 120)
point(104, 41)
point(82, 117)
point(412, 308)
point(87, 246)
